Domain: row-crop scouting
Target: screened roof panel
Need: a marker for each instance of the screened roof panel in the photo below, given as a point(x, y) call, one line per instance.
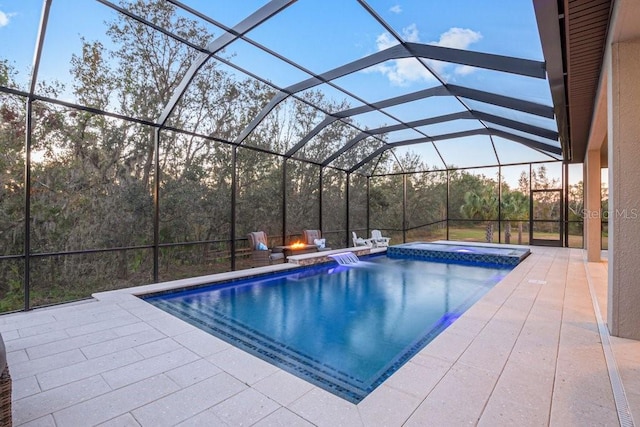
point(467, 151)
point(418, 158)
point(285, 126)
point(318, 36)
point(334, 99)
point(62, 41)
point(401, 135)
point(526, 88)
point(534, 138)
point(434, 106)
point(225, 113)
point(220, 12)
point(466, 25)
point(388, 79)
point(209, 26)
point(511, 152)
point(327, 142)
point(21, 22)
point(373, 120)
point(381, 164)
point(263, 64)
point(455, 72)
point(357, 153)
point(450, 127)
point(512, 114)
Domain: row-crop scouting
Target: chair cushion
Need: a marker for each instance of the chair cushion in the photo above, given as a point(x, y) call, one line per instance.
point(261, 247)
point(320, 243)
point(3, 355)
point(311, 235)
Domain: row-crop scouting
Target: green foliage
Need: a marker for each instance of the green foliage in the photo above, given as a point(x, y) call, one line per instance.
point(93, 176)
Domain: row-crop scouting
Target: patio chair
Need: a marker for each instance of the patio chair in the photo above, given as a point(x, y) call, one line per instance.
point(261, 255)
point(5, 388)
point(378, 240)
point(314, 237)
point(359, 241)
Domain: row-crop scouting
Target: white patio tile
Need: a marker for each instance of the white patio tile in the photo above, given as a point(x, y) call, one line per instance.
point(68, 396)
point(387, 406)
point(283, 387)
point(201, 342)
point(148, 368)
point(190, 401)
point(204, 418)
point(518, 401)
point(132, 329)
point(418, 377)
point(489, 350)
point(170, 325)
point(322, 408)
point(69, 344)
point(115, 403)
point(18, 356)
point(46, 421)
point(119, 343)
point(193, 372)
point(125, 420)
point(145, 311)
point(282, 418)
point(9, 335)
point(71, 320)
point(24, 387)
point(244, 366)
point(458, 399)
point(158, 347)
point(574, 412)
point(88, 368)
point(31, 341)
point(551, 330)
point(448, 346)
point(15, 321)
point(45, 364)
point(120, 318)
point(245, 408)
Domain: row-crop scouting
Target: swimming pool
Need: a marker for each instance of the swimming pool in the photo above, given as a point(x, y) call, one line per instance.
point(343, 328)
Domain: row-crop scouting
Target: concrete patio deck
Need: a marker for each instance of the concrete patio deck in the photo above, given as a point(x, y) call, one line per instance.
point(528, 354)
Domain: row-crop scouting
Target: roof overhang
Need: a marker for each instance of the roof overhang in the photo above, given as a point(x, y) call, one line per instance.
point(573, 36)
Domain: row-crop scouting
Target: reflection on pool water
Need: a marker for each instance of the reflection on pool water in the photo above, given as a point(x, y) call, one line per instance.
point(343, 328)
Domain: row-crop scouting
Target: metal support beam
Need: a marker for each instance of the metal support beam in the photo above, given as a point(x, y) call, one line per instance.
point(255, 19)
point(488, 61)
point(536, 145)
point(234, 192)
point(42, 30)
point(156, 205)
point(284, 201)
point(404, 208)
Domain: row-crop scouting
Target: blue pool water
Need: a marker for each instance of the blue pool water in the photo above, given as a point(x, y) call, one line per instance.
point(343, 328)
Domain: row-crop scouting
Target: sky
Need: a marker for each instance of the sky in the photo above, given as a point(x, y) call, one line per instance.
point(321, 35)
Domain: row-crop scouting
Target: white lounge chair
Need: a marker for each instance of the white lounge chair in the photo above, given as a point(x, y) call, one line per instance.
point(378, 240)
point(359, 241)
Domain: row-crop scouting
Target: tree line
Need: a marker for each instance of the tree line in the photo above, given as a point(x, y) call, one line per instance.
point(93, 175)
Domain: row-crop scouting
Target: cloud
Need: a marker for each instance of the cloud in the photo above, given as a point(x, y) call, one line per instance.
point(5, 18)
point(458, 38)
point(402, 72)
point(396, 9)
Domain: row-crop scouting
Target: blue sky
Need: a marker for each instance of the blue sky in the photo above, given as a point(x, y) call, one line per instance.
point(321, 35)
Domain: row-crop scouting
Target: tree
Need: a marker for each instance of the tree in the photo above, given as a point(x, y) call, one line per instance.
point(515, 207)
point(481, 205)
